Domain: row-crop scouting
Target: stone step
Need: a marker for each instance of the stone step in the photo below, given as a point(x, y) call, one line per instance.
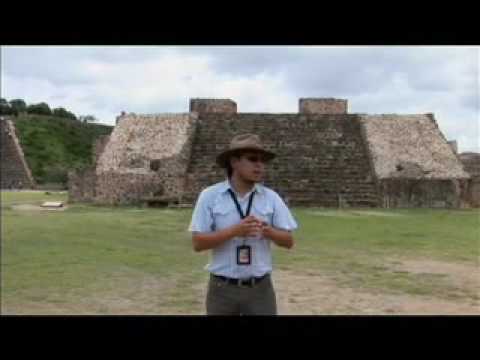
point(331, 163)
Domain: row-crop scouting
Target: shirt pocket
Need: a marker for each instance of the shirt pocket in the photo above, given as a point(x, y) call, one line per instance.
point(224, 216)
point(265, 212)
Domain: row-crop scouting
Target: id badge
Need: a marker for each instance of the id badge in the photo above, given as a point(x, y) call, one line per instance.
point(244, 255)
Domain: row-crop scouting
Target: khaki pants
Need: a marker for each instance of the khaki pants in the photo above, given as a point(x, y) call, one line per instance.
point(229, 299)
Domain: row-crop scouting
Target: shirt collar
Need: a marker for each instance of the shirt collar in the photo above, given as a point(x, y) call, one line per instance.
point(226, 185)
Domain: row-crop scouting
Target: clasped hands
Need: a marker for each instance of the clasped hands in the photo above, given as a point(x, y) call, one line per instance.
point(252, 226)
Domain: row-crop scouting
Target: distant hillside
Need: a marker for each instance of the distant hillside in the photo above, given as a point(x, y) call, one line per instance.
point(54, 145)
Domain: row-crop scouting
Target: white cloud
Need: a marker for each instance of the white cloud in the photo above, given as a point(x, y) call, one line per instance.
point(106, 80)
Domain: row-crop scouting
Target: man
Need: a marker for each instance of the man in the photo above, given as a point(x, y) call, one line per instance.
point(237, 219)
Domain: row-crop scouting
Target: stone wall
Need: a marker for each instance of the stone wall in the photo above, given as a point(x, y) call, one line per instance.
point(322, 106)
point(82, 185)
point(146, 158)
point(114, 188)
point(471, 164)
point(98, 147)
point(200, 106)
point(453, 144)
point(413, 193)
point(410, 146)
point(321, 159)
point(415, 166)
point(15, 173)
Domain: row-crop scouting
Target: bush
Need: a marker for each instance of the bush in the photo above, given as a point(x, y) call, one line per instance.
point(6, 108)
point(19, 105)
point(87, 119)
point(39, 109)
point(55, 174)
point(62, 112)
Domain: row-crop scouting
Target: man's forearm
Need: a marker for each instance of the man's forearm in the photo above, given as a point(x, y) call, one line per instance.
point(280, 237)
point(205, 241)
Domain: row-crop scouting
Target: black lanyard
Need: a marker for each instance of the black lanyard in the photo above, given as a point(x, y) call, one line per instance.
point(238, 205)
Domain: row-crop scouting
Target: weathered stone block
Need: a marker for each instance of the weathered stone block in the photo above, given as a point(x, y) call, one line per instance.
point(322, 106)
point(213, 106)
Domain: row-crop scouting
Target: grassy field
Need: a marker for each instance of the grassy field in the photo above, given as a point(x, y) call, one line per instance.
point(52, 145)
point(102, 260)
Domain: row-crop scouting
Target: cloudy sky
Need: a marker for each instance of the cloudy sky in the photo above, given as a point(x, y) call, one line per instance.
point(103, 81)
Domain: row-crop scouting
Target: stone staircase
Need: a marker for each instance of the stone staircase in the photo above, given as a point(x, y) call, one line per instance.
point(321, 159)
point(14, 171)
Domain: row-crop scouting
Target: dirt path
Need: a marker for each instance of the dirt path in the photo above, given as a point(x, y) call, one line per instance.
point(298, 293)
point(126, 294)
point(314, 294)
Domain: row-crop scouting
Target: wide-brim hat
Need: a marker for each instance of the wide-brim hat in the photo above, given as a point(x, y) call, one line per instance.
point(242, 143)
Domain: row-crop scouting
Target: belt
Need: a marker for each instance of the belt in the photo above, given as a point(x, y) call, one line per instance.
point(241, 282)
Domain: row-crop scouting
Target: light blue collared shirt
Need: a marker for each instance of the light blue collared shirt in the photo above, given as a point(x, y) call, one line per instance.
point(215, 210)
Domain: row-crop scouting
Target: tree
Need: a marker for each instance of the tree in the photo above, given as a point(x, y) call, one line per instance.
point(59, 112)
point(39, 109)
point(62, 112)
point(71, 115)
point(19, 105)
point(5, 108)
point(88, 119)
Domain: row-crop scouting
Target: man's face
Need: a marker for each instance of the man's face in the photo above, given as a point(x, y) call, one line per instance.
point(249, 165)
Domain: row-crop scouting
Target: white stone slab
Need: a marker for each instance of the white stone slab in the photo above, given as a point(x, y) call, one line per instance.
point(52, 204)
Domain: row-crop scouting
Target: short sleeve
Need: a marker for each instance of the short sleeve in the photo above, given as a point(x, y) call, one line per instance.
point(202, 220)
point(282, 217)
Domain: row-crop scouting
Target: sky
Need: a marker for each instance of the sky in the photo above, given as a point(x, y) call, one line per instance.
point(103, 81)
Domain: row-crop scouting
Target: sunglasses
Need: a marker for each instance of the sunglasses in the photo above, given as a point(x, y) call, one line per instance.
point(255, 159)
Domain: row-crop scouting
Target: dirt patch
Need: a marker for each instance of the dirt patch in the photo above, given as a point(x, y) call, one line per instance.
point(126, 294)
point(353, 214)
point(31, 207)
point(463, 275)
point(298, 293)
point(32, 191)
point(131, 296)
point(309, 293)
point(332, 213)
point(375, 213)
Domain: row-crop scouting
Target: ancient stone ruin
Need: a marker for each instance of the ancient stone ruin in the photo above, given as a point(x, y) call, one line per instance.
point(82, 184)
point(471, 164)
point(325, 157)
point(414, 164)
point(15, 173)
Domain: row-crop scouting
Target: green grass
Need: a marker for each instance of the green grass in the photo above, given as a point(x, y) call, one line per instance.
point(64, 257)
point(9, 198)
point(354, 248)
point(53, 145)
point(451, 235)
point(85, 249)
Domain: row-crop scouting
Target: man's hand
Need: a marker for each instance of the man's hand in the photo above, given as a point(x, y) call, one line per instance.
point(249, 226)
point(279, 237)
point(266, 229)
